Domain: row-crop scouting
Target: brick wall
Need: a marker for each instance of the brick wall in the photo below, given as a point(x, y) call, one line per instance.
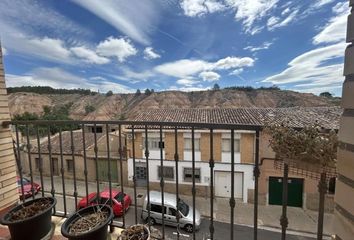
point(344, 207)
point(8, 185)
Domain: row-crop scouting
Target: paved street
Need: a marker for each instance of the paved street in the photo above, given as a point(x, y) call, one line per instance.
point(221, 223)
point(221, 229)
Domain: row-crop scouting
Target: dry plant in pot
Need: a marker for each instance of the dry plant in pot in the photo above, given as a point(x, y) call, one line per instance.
point(30, 220)
point(309, 148)
point(89, 223)
point(135, 232)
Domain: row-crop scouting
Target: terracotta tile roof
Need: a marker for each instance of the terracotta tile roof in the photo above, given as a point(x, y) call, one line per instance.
point(66, 142)
point(327, 117)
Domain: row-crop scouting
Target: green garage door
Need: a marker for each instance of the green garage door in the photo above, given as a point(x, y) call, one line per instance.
point(295, 191)
point(103, 170)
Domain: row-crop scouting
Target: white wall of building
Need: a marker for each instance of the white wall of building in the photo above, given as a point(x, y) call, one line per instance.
point(246, 169)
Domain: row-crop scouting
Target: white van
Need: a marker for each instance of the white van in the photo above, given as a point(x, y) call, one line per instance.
point(170, 211)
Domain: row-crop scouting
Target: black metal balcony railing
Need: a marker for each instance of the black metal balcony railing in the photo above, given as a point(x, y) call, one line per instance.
point(132, 127)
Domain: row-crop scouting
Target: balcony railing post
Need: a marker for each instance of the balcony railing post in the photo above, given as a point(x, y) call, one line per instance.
point(52, 191)
point(256, 173)
point(134, 176)
point(147, 174)
point(40, 167)
point(62, 169)
point(211, 165)
point(95, 149)
point(284, 218)
point(120, 150)
point(74, 163)
point(85, 161)
point(162, 183)
point(193, 178)
point(29, 146)
point(111, 228)
point(176, 157)
point(19, 163)
point(322, 189)
point(232, 197)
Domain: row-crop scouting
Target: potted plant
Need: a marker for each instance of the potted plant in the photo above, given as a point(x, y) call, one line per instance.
point(89, 223)
point(309, 148)
point(30, 220)
point(135, 232)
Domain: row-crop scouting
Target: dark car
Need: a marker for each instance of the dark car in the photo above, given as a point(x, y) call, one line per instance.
point(27, 187)
point(104, 198)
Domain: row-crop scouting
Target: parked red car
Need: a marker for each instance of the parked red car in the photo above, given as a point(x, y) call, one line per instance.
point(104, 198)
point(26, 187)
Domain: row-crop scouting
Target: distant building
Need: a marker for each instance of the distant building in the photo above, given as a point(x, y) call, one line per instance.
point(304, 188)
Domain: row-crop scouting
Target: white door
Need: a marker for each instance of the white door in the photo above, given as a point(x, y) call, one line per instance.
point(223, 184)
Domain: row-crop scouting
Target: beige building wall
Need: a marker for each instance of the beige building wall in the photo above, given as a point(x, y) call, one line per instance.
point(247, 146)
point(8, 184)
point(344, 209)
point(310, 197)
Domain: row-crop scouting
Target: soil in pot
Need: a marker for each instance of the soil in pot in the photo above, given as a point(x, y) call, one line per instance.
point(31, 210)
point(135, 232)
point(86, 223)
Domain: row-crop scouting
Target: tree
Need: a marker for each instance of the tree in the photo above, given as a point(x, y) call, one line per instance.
point(326, 94)
point(109, 93)
point(89, 109)
point(216, 87)
point(147, 92)
point(138, 93)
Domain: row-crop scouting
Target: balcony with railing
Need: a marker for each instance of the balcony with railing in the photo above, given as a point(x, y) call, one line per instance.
point(89, 159)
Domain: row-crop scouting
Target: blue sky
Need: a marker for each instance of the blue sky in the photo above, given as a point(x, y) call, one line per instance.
point(123, 45)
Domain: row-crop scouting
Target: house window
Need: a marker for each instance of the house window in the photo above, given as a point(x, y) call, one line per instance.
point(69, 165)
point(332, 185)
point(153, 143)
point(226, 145)
point(188, 144)
point(98, 129)
point(188, 174)
point(37, 163)
point(168, 172)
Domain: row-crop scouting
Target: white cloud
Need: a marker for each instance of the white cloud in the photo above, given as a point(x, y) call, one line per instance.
point(320, 3)
point(233, 62)
point(335, 29)
point(264, 45)
point(134, 77)
point(236, 71)
point(285, 11)
point(183, 68)
point(120, 48)
point(193, 8)
point(187, 82)
point(135, 18)
point(312, 69)
point(59, 78)
point(33, 16)
point(150, 54)
point(188, 89)
point(209, 76)
point(250, 11)
point(186, 68)
point(89, 55)
point(275, 22)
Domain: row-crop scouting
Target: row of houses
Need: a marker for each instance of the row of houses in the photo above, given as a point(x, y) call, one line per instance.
point(303, 190)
